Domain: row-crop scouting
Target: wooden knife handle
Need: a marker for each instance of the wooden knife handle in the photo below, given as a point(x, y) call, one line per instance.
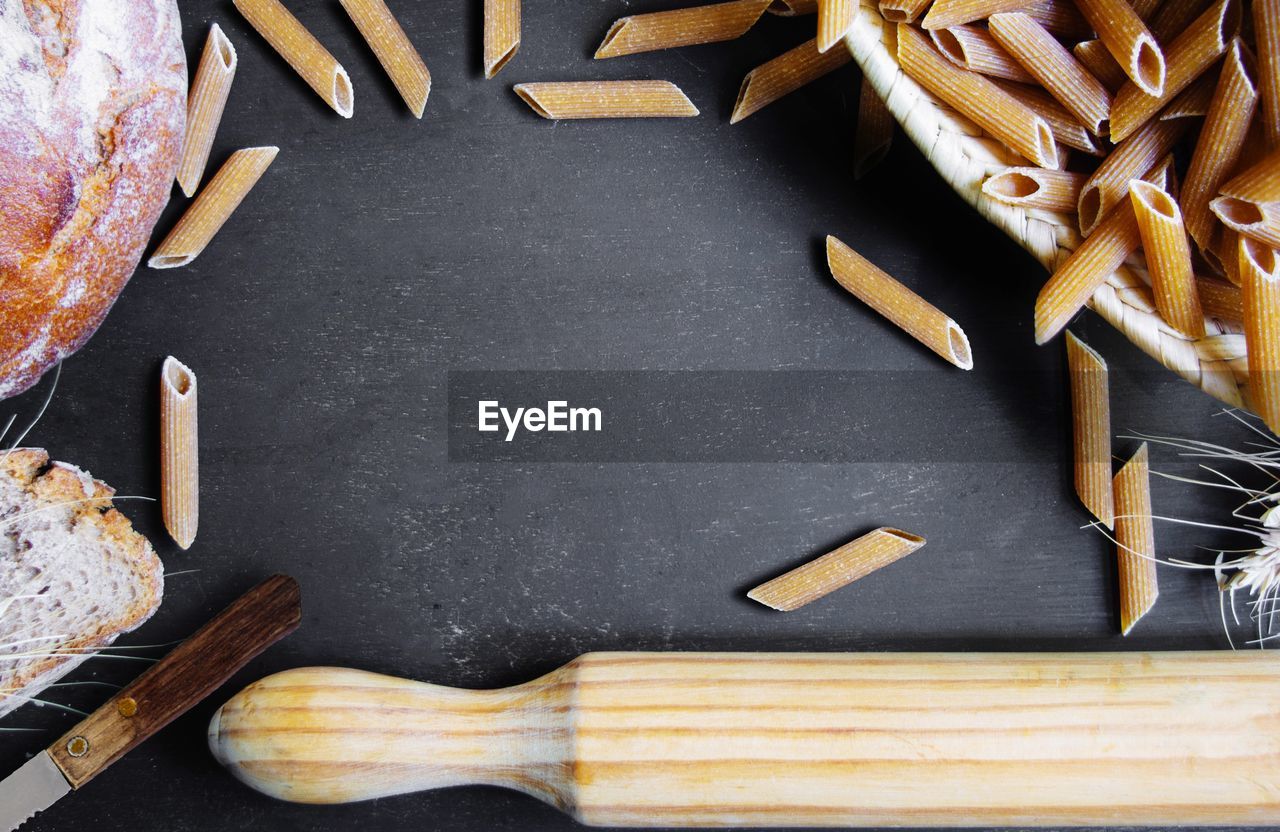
point(753, 739)
point(191, 671)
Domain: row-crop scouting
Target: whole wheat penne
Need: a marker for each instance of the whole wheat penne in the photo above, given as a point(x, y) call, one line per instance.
point(1190, 54)
point(1259, 183)
point(1221, 300)
point(1168, 255)
point(1128, 40)
point(1049, 63)
point(1067, 129)
point(213, 207)
point(1225, 255)
point(910, 312)
point(1260, 279)
point(606, 99)
point(1164, 175)
point(835, 18)
point(1173, 16)
point(875, 129)
point(977, 98)
point(501, 34)
point(1266, 34)
point(302, 51)
point(205, 103)
point(1130, 160)
point(1091, 429)
point(1260, 221)
point(976, 50)
point(943, 14)
point(902, 11)
point(681, 27)
point(1145, 9)
point(1074, 282)
point(179, 452)
point(1051, 190)
point(840, 567)
point(391, 46)
point(784, 75)
point(793, 8)
point(1135, 541)
point(1061, 17)
point(1094, 57)
point(1217, 151)
point(1193, 102)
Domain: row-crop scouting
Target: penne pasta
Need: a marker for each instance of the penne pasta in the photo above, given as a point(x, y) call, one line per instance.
point(1168, 256)
point(1094, 57)
point(1131, 159)
point(875, 129)
point(1145, 9)
point(1173, 16)
point(1190, 54)
point(784, 75)
point(792, 8)
point(179, 452)
point(393, 50)
point(1164, 176)
point(1225, 255)
point(910, 312)
point(1193, 102)
point(1266, 34)
point(1250, 203)
point(1129, 42)
point(1088, 267)
point(943, 14)
point(1049, 63)
point(681, 27)
point(977, 99)
point(1260, 279)
point(607, 99)
point(1135, 541)
point(1050, 190)
point(1221, 300)
point(1061, 17)
point(840, 567)
point(835, 18)
point(213, 207)
point(1217, 151)
point(902, 11)
point(1091, 429)
point(1259, 183)
point(302, 51)
point(976, 50)
point(501, 34)
point(205, 103)
point(1065, 127)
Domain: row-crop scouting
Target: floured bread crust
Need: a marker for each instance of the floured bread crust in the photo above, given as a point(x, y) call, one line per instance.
point(73, 575)
point(92, 115)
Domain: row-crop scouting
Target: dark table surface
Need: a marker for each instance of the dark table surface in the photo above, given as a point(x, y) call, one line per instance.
point(380, 254)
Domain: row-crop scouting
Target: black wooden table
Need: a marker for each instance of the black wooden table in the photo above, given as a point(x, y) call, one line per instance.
point(381, 254)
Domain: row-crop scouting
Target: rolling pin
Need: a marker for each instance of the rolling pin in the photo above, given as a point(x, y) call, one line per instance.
point(758, 739)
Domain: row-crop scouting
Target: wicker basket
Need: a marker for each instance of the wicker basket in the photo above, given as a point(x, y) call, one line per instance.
point(965, 157)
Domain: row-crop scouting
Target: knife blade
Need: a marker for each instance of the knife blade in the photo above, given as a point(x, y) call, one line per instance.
point(191, 671)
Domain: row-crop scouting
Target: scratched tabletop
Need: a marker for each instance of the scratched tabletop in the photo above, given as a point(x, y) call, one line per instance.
point(383, 261)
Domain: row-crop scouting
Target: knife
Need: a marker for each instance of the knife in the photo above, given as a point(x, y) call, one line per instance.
point(191, 671)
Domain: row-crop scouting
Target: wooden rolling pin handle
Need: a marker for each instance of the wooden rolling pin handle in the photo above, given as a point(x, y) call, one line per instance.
point(753, 739)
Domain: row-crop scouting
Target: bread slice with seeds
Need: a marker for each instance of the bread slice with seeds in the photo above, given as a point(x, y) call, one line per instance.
point(74, 574)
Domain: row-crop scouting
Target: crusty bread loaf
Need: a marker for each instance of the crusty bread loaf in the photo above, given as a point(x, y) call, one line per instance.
point(92, 115)
point(73, 575)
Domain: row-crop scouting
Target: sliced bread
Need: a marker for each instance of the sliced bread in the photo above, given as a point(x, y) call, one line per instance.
point(73, 573)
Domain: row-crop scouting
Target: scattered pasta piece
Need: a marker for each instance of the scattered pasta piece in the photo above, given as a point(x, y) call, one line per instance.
point(391, 45)
point(1266, 32)
point(974, 49)
point(1260, 275)
point(209, 91)
point(302, 51)
point(680, 27)
point(501, 34)
point(1132, 158)
point(179, 452)
point(910, 312)
point(902, 11)
point(1094, 57)
point(606, 99)
point(211, 209)
point(874, 133)
point(977, 98)
point(784, 75)
point(943, 14)
point(1168, 255)
point(1091, 429)
point(1051, 190)
point(840, 567)
point(1129, 42)
point(835, 18)
point(1066, 128)
point(1221, 300)
point(1250, 203)
point(1135, 541)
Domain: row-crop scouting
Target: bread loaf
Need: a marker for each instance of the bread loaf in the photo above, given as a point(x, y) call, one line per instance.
point(92, 115)
point(73, 572)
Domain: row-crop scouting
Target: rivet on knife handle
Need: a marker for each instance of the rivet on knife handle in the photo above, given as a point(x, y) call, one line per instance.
point(191, 671)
